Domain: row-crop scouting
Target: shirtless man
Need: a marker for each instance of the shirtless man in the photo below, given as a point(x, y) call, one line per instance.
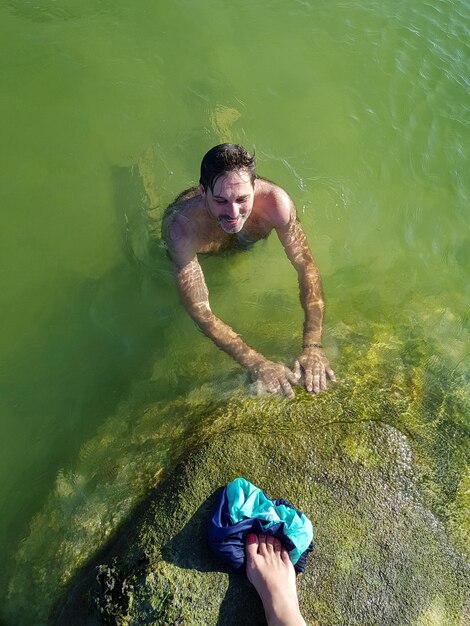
point(233, 208)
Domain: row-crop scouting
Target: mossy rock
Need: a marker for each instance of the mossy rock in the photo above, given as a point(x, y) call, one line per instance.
point(379, 464)
point(380, 556)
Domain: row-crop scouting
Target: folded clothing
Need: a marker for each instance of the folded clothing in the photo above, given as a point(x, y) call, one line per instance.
point(242, 509)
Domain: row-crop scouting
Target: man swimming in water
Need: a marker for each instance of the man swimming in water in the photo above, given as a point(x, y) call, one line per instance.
point(233, 208)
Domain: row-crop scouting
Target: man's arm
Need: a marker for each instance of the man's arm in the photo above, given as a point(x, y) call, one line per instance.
point(311, 362)
point(269, 376)
point(195, 297)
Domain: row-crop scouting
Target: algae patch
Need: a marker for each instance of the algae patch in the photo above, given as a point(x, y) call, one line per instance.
point(379, 463)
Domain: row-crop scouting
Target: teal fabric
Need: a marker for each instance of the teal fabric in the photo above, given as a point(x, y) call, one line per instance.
point(246, 501)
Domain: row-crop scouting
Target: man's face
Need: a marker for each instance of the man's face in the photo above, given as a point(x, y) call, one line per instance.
point(231, 200)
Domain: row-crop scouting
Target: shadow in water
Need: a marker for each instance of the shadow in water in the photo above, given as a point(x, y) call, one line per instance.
point(74, 368)
point(63, 383)
point(86, 597)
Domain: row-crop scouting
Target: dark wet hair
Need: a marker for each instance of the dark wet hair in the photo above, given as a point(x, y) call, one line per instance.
point(226, 157)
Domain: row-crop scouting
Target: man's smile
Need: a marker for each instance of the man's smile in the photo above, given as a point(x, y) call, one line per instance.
point(230, 220)
point(231, 224)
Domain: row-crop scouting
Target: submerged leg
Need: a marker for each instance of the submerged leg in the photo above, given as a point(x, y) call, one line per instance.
point(271, 572)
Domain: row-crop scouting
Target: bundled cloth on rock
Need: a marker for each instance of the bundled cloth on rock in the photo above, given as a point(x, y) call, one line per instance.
point(243, 509)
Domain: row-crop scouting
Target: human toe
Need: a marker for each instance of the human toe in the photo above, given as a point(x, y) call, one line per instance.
point(262, 544)
point(285, 555)
point(270, 543)
point(251, 545)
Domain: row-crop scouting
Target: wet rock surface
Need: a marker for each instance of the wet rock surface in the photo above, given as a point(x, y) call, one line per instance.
point(378, 463)
point(380, 556)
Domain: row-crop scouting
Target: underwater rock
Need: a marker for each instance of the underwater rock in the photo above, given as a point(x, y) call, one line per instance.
point(378, 463)
point(222, 118)
point(380, 556)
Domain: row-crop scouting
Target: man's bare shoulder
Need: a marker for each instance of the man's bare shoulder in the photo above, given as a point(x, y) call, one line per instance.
point(178, 226)
point(275, 204)
point(187, 199)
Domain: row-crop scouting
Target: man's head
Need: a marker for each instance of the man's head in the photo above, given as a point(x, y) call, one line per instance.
point(224, 158)
point(227, 185)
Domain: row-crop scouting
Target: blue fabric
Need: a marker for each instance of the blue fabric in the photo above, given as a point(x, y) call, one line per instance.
point(243, 509)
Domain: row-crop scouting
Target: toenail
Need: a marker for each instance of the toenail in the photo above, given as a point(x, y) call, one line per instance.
point(251, 538)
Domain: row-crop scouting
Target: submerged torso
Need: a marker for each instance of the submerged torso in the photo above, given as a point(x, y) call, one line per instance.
point(188, 209)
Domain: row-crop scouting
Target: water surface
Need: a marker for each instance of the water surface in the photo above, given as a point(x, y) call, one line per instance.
point(359, 109)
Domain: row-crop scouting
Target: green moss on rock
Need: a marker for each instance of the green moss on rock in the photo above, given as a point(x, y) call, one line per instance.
point(379, 557)
point(378, 463)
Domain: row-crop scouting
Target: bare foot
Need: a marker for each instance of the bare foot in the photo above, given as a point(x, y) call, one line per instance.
point(269, 569)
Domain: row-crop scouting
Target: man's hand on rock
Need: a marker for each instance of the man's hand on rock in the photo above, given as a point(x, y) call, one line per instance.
point(270, 377)
point(313, 368)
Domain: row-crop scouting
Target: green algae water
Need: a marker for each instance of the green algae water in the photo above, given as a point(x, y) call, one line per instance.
point(360, 110)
